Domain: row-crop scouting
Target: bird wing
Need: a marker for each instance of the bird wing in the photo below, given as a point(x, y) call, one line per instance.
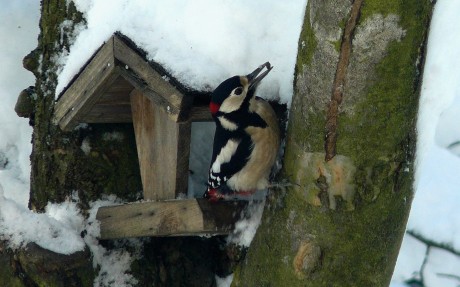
point(231, 153)
point(246, 119)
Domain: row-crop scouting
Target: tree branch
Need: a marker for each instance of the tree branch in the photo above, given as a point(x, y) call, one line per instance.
point(432, 243)
point(339, 81)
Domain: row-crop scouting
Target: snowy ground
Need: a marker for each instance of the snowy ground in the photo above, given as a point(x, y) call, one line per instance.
point(183, 44)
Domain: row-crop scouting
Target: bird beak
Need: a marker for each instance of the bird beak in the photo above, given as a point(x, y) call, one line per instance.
point(254, 78)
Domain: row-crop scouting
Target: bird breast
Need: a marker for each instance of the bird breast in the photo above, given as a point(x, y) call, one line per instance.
point(266, 141)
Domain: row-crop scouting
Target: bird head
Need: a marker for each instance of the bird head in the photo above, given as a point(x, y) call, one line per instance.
point(231, 93)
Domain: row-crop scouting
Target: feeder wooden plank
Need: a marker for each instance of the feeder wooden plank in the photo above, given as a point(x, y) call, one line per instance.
point(200, 114)
point(115, 98)
point(109, 114)
point(169, 218)
point(117, 94)
point(87, 88)
point(163, 148)
point(157, 88)
point(142, 86)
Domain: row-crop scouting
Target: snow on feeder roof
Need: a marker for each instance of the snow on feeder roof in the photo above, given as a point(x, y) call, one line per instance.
point(100, 92)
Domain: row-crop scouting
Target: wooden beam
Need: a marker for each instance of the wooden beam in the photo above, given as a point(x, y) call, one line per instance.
point(87, 88)
point(163, 148)
point(109, 114)
point(169, 218)
point(151, 83)
point(200, 114)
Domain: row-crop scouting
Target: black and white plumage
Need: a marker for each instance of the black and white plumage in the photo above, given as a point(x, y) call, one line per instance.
point(246, 140)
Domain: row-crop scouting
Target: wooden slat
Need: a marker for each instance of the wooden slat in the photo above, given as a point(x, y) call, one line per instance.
point(142, 86)
point(117, 94)
point(121, 85)
point(163, 148)
point(160, 90)
point(182, 153)
point(115, 98)
point(88, 87)
point(200, 114)
point(169, 218)
point(109, 114)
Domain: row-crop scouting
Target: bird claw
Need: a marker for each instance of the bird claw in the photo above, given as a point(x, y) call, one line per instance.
point(214, 196)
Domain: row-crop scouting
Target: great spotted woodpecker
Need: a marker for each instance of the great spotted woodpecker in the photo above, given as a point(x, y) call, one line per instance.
point(246, 140)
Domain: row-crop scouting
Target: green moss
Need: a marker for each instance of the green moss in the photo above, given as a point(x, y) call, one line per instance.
point(8, 276)
point(59, 166)
point(353, 244)
point(47, 178)
point(85, 276)
point(277, 270)
point(392, 100)
point(338, 44)
point(379, 138)
point(313, 133)
point(405, 9)
point(307, 44)
point(373, 7)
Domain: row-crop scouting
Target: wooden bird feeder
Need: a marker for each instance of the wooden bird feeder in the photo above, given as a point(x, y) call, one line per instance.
point(118, 85)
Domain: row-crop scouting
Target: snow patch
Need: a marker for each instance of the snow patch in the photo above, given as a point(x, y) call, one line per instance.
point(113, 136)
point(114, 265)
point(201, 43)
point(224, 282)
point(436, 180)
point(57, 230)
point(245, 229)
point(86, 146)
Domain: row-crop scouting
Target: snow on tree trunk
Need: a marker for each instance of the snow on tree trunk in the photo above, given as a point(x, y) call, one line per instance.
point(350, 148)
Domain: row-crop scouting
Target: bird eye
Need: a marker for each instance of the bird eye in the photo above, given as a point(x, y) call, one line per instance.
point(238, 91)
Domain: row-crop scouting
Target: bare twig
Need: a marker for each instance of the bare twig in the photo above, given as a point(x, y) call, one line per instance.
point(450, 276)
point(433, 243)
point(422, 267)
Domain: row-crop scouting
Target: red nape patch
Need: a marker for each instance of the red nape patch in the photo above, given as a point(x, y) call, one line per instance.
point(213, 107)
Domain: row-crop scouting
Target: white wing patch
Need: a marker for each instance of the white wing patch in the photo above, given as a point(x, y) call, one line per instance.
point(226, 124)
point(225, 155)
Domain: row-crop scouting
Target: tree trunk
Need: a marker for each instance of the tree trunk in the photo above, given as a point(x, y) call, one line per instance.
point(92, 161)
point(61, 164)
point(350, 148)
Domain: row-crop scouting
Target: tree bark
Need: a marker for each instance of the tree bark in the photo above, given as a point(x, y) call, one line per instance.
point(350, 148)
point(60, 163)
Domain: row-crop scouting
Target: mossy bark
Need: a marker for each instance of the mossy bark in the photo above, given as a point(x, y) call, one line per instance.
point(93, 160)
point(344, 223)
